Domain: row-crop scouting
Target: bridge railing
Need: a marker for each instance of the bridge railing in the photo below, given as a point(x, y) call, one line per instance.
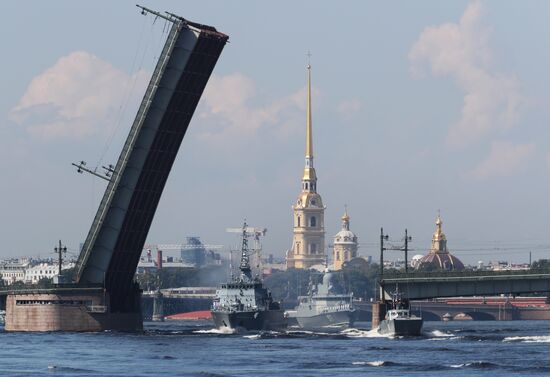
point(426, 285)
point(463, 273)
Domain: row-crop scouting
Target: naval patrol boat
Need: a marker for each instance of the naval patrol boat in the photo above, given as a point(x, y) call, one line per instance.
point(243, 302)
point(399, 321)
point(326, 308)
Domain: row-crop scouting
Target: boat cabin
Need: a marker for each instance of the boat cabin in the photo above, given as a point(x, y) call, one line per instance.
point(397, 313)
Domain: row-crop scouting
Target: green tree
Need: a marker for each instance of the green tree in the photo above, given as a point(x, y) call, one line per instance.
point(288, 285)
point(362, 281)
point(541, 264)
point(43, 283)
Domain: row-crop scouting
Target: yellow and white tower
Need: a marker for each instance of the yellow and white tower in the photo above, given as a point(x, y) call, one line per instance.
point(345, 244)
point(308, 245)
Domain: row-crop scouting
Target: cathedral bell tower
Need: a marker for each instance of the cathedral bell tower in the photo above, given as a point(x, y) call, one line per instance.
point(345, 244)
point(308, 245)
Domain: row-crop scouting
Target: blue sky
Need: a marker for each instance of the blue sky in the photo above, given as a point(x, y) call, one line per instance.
point(418, 106)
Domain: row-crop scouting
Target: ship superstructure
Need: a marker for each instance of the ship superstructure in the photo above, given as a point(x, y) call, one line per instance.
point(326, 307)
point(399, 321)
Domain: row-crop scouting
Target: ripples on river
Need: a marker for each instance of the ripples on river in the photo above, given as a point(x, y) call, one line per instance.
point(195, 349)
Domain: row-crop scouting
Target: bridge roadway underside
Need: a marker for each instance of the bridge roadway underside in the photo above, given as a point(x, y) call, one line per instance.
point(112, 249)
point(437, 311)
point(420, 286)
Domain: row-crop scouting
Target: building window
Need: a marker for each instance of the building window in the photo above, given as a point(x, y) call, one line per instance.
point(312, 221)
point(297, 247)
point(299, 221)
point(312, 248)
point(337, 255)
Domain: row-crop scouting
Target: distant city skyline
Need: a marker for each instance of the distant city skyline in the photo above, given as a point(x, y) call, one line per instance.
point(416, 107)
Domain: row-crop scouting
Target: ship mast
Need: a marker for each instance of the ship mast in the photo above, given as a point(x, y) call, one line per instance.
point(247, 231)
point(246, 272)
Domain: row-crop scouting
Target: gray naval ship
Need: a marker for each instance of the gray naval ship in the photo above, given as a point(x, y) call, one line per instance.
point(399, 321)
point(244, 303)
point(326, 308)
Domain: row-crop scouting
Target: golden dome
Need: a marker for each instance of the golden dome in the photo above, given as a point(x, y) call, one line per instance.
point(309, 199)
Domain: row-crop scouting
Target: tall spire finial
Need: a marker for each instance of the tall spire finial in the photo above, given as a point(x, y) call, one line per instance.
point(309, 139)
point(345, 218)
point(309, 179)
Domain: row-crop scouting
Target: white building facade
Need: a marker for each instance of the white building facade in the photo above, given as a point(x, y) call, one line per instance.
point(44, 270)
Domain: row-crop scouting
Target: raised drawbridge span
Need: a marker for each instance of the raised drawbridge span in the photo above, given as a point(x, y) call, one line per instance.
point(104, 295)
point(114, 243)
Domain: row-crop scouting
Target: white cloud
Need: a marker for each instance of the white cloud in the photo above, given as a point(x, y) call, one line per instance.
point(492, 102)
point(505, 159)
point(231, 110)
point(348, 108)
point(80, 95)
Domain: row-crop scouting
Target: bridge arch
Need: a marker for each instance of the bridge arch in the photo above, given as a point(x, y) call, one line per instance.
point(427, 315)
point(475, 316)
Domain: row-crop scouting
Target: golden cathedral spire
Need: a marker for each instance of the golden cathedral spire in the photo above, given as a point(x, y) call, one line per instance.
point(309, 140)
point(310, 178)
point(308, 242)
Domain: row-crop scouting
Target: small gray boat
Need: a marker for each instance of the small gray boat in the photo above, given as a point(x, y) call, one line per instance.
point(399, 321)
point(326, 308)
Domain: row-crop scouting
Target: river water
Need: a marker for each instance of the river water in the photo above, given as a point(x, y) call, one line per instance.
point(516, 348)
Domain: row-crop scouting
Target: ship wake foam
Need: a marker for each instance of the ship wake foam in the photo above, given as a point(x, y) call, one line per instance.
point(377, 363)
point(476, 364)
point(440, 335)
point(218, 331)
point(528, 339)
point(358, 333)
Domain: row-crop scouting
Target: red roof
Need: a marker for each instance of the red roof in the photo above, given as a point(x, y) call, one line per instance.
point(201, 314)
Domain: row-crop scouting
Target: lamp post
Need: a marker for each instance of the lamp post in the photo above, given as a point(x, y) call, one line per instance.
point(406, 248)
point(60, 250)
point(382, 248)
